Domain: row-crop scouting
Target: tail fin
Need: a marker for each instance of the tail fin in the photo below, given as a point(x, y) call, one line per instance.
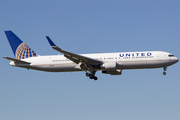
point(20, 49)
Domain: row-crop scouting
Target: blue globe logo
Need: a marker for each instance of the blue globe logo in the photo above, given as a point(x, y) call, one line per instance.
point(23, 52)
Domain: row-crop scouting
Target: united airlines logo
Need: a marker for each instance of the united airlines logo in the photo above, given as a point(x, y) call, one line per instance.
point(23, 51)
point(135, 54)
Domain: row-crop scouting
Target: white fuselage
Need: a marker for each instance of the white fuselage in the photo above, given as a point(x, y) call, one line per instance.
point(124, 60)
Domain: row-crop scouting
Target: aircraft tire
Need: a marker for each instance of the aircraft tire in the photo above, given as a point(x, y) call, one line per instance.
point(87, 74)
point(164, 73)
point(95, 78)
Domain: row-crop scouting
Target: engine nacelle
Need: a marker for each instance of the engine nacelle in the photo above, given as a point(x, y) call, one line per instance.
point(111, 68)
point(114, 72)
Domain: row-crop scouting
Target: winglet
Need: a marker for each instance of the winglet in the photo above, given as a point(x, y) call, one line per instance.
point(53, 45)
point(51, 42)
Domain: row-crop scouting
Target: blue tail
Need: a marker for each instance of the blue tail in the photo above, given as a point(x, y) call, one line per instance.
point(20, 49)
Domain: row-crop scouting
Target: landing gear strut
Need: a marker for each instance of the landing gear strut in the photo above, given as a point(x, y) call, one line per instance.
point(91, 75)
point(165, 68)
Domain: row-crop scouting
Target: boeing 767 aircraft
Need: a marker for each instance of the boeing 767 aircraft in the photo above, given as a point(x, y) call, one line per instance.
point(108, 63)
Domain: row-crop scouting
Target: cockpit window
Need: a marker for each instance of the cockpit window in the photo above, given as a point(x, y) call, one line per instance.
point(171, 55)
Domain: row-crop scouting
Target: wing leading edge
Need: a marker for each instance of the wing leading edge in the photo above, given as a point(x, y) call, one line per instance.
point(74, 57)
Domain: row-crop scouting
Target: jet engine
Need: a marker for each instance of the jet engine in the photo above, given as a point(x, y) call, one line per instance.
point(111, 68)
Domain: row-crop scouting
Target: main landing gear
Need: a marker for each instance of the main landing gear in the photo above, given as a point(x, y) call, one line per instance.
point(165, 68)
point(91, 75)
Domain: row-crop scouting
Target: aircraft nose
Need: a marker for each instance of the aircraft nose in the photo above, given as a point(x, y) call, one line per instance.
point(176, 59)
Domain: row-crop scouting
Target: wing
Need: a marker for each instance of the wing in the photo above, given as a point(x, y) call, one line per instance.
point(16, 60)
point(75, 57)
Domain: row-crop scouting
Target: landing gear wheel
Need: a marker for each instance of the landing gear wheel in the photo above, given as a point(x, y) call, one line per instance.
point(165, 68)
point(91, 75)
point(95, 78)
point(87, 74)
point(164, 73)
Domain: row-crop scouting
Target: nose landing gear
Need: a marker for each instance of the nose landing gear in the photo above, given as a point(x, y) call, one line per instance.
point(164, 73)
point(165, 68)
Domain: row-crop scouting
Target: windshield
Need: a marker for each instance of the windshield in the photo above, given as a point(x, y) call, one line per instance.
point(171, 55)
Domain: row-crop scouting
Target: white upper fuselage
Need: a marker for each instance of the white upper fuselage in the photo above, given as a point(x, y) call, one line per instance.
point(124, 60)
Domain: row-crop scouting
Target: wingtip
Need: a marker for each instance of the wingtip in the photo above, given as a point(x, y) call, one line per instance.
point(47, 37)
point(50, 41)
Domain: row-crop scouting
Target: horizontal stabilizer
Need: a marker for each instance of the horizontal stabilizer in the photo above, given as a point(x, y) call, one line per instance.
point(16, 60)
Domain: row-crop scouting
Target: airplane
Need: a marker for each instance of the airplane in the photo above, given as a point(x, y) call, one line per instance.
point(108, 63)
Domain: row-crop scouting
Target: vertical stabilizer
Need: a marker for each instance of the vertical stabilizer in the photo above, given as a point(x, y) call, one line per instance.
point(19, 48)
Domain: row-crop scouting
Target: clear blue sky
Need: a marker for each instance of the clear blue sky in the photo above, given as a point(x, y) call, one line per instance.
point(90, 26)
